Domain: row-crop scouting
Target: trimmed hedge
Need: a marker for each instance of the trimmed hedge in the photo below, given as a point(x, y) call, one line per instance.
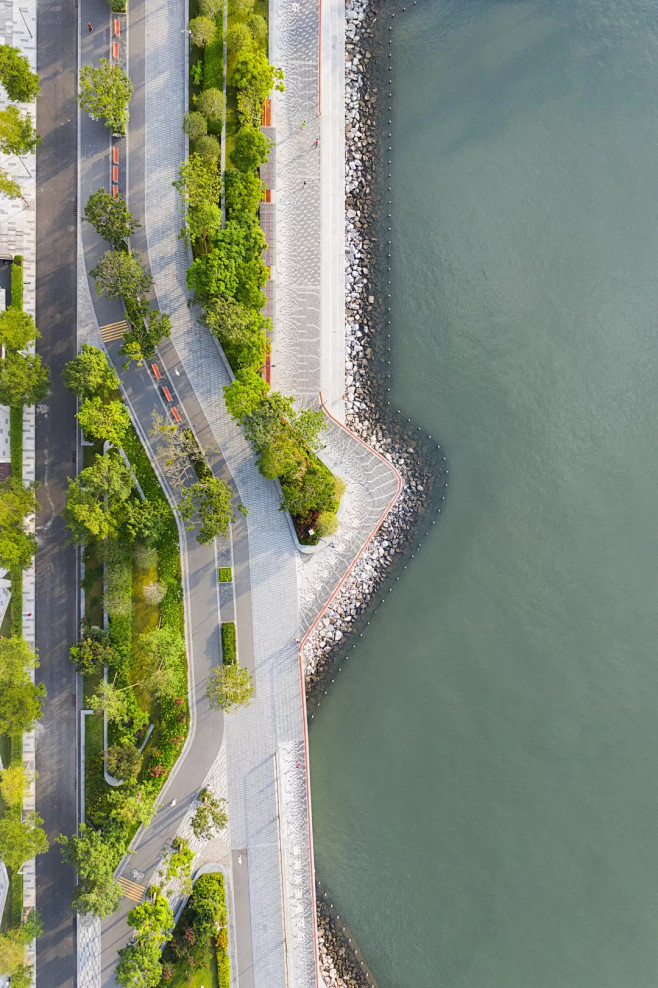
point(16, 284)
point(229, 644)
point(16, 439)
point(225, 574)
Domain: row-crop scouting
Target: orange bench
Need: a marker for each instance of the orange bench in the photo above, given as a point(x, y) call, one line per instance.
point(115, 191)
point(156, 372)
point(115, 50)
point(175, 415)
point(115, 155)
point(166, 392)
point(117, 26)
point(115, 173)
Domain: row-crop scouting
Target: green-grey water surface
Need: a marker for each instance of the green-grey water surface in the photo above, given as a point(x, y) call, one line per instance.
point(485, 771)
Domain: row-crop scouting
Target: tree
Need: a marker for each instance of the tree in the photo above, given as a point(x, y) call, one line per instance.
point(250, 149)
point(21, 83)
point(23, 379)
point(249, 106)
point(139, 966)
point(316, 491)
point(245, 394)
point(94, 858)
point(134, 806)
point(16, 656)
point(9, 188)
point(203, 225)
point(242, 8)
point(194, 125)
point(17, 502)
point(17, 133)
point(230, 687)
point(20, 841)
point(175, 446)
point(233, 268)
point(211, 103)
point(17, 329)
point(110, 701)
point(307, 425)
point(258, 28)
point(210, 499)
point(237, 37)
point(161, 647)
point(89, 374)
point(104, 420)
point(147, 328)
point(243, 195)
point(207, 147)
point(95, 504)
point(93, 652)
point(198, 182)
point(17, 548)
point(12, 952)
point(123, 761)
point(110, 218)
point(154, 592)
point(210, 8)
point(210, 815)
point(105, 92)
point(252, 70)
point(20, 704)
point(202, 30)
point(14, 782)
point(152, 920)
point(119, 274)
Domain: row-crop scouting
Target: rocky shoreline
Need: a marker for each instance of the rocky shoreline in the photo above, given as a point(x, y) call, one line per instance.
point(416, 456)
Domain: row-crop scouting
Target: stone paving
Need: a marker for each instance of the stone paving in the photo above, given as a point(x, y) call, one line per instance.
point(277, 715)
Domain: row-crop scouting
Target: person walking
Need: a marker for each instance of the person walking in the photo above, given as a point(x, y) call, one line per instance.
point(90, 26)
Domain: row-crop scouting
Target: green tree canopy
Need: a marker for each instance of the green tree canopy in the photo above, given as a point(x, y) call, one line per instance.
point(202, 225)
point(104, 420)
point(17, 548)
point(258, 28)
point(211, 103)
point(119, 274)
point(245, 394)
point(210, 501)
point(207, 147)
point(20, 704)
point(9, 188)
point(244, 193)
point(94, 857)
point(202, 30)
point(93, 652)
point(210, 8)
point(17, 502)
point(251, 70)
point(139, 966)
point(160, 648)
point(111, 701)
point(123, 761)
point(238, 37)
point(16, 656)
point(89, 374)
point(20, 841)
point(250, 149)
point(198, 182)
point(105, 92)
point(151, 920)
point(21, 83)
point(17, 329)
point(24, 380)
point(17, 133)
point(110, 218)
point(242, 8)
point(230, 687)
point(194, 125)
point(96, 498)
point(315, 492)
point(135, 806)
point(14, 781)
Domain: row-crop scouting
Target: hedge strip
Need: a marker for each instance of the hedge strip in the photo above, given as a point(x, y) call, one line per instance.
point(16, 283)
point(229, 644)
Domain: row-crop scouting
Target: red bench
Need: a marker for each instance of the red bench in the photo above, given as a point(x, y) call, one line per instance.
point(117, 26)
point(115, 50)
point(115, 173)
point(115, 155)
point(167, 393)
point(175, 414)
point(156, 372)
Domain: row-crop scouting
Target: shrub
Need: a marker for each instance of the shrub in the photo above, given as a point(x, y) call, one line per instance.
point(258, 28)
point(154, 592)
point(250, 149)
point(16, 440)
point(242, 8)
point(144, 556)
point(16, 289)
point(225, 574)
point(229, 643)
point(207, 147)
point(194, 125)
point(326, 524)
point(118, 6)
point(213, 65)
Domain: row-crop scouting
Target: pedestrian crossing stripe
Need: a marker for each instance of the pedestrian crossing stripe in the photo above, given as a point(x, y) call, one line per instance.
point(114, 330)
point(132, 890)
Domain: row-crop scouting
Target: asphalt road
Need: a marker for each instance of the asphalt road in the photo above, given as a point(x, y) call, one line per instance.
point(56, 441)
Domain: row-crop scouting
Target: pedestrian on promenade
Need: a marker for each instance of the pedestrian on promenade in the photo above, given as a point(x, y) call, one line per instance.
point(303, 123)
point(90, 26)
point(317, 141)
